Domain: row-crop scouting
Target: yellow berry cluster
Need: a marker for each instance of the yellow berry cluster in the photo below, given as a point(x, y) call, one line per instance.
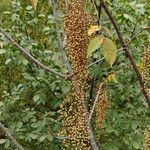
point(76, 32)
point(73, 110)
point(101, 108)
point(147, 144)
point(146, 68)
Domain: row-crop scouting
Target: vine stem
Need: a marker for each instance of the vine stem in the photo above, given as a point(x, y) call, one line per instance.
point(127, 52)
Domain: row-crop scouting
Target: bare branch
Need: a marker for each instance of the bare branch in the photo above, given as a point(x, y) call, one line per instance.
point(95, 62)
point(6, 131)
point(90, 131)
point(127, 52)
point(96, 99)
point(30, 57)
point(134, 36)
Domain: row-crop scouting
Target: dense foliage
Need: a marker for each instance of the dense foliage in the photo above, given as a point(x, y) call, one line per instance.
point(30, 98)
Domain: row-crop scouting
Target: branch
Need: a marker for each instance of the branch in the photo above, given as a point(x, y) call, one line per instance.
point(97, 61)
point(91, 135)
point(134, 36)
point(62, 44)
point(96, 99)
point(18, 146)
point(127, 52)
point(30, 57)
point(99, 12)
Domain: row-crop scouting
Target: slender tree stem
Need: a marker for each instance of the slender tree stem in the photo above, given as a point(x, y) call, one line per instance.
point(96, 99)
point(127, 52)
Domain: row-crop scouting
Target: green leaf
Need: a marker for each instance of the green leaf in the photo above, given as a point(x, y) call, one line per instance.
point(33, 136)
point(128, 17)
point(50, 137)
point(36, 98)
point(109, 50)
point(42, 138)
point(94, 44)
point(7, 61)
point(1, 104)
point(7, 144)
point(110, 146)
point(135, 145)
point(2, 141)
point(134, 126)
point(2, 51)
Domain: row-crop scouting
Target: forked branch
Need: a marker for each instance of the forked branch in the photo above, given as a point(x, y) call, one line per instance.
point(127, 52)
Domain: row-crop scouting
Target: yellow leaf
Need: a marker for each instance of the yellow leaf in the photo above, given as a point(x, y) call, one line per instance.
point(94, 44)
point(112, 78)
point(93, 29)
point(109, 50)
point(34, 4)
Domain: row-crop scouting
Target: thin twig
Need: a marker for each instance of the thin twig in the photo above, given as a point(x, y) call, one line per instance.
point(127, 52)
point(134, 36)
point(62, 43)
point(99, 12)
point(30, 57)
point(90, 131)
point(96, 99)
point(58, 137)
point(97, 61)
point(14, 141)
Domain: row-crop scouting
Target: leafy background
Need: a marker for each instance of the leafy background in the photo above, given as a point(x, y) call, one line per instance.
point(30, 98)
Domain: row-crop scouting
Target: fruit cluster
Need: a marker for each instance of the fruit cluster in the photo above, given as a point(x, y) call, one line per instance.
point(73, 110)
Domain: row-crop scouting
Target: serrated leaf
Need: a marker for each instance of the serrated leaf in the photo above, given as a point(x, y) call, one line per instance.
point(93, 29)
point(34, 4)
point(109, 50)
point(2, 141)
point(94, 44)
